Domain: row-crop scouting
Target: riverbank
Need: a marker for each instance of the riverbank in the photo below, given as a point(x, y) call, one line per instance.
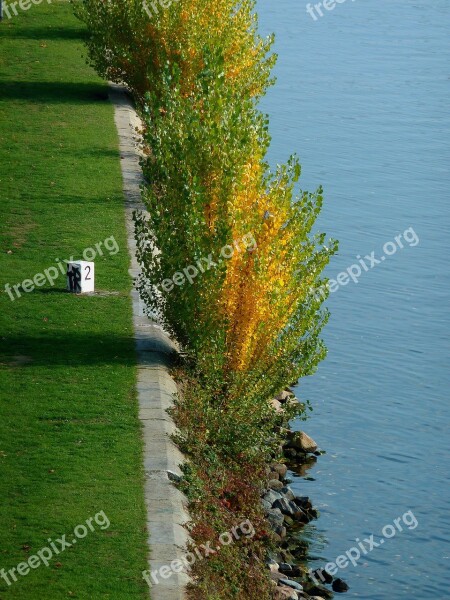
point(244, 510)
point(288, 513)
point(245, 316)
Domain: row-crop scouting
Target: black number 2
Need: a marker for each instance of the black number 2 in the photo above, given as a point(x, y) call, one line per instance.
point(88, 269)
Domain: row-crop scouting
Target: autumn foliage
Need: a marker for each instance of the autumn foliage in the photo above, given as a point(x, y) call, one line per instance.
point(250, 325)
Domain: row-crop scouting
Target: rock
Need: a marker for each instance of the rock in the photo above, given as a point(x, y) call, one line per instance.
point(281, 532)
point(322, 576)
point(287, 492)
point(290, 453)
point(340, 586)
point(277, 406)
point(304, 502)
point(298, 548)
point(296, 572)
point(271, 496)
point(289, 521)
point(283, 431)
point(301, 517)
point(312, 513)
point(276, 484)
point(286, 556)
point(319, 591)
point(286, 506)
point(273, 565)
point(266, 505)
point(275, 576)
point(174, 476)
point(293, 401)
point(284, 396)
point(292, 584)
point(275, 518)
point(300, 441)
point(285, 568)
point(279, 468)
point(285, 593)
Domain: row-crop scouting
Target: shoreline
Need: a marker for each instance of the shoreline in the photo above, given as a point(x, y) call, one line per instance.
point(287, 514)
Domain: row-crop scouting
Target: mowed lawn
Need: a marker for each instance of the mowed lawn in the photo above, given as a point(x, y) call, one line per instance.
point(70, 438)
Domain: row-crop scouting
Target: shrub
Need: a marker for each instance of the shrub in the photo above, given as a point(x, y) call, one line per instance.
point(251, 324)
point(128, 46)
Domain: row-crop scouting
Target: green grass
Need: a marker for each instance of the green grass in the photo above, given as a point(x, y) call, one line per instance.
point(70, 438)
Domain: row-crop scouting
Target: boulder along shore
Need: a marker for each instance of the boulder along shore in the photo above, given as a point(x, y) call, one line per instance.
point(288, 513)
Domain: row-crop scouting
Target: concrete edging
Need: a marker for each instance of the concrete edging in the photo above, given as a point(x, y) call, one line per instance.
point(166, 505)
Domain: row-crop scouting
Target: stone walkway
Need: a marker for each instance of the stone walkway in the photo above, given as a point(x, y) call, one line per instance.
point(166, 506)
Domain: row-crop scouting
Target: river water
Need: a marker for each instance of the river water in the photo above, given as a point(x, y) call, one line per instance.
point(363, 98)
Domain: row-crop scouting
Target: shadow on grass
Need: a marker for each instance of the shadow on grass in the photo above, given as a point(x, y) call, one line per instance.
point(41, 33)
point(91, 153)
point(54, 92)
point(71, 349)
point(78, 348)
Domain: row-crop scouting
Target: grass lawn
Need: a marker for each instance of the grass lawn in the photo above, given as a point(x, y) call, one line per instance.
point(70, 439)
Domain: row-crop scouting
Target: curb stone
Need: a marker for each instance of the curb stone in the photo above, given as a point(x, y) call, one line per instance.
point(166, 505)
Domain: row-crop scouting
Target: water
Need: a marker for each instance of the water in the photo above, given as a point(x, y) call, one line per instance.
point(363, 98)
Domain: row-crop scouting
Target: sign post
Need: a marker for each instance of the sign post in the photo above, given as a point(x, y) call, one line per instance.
point(80, 277)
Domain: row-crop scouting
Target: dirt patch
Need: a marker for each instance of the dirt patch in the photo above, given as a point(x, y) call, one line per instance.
point(19, 231)
point(20, 361)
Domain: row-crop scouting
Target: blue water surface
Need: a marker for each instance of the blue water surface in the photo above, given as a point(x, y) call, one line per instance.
point(363, 97)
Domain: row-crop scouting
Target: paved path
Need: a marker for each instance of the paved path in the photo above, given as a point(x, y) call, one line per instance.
point(165, 504)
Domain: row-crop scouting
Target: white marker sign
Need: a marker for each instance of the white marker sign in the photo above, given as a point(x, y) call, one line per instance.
point(80, 277)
